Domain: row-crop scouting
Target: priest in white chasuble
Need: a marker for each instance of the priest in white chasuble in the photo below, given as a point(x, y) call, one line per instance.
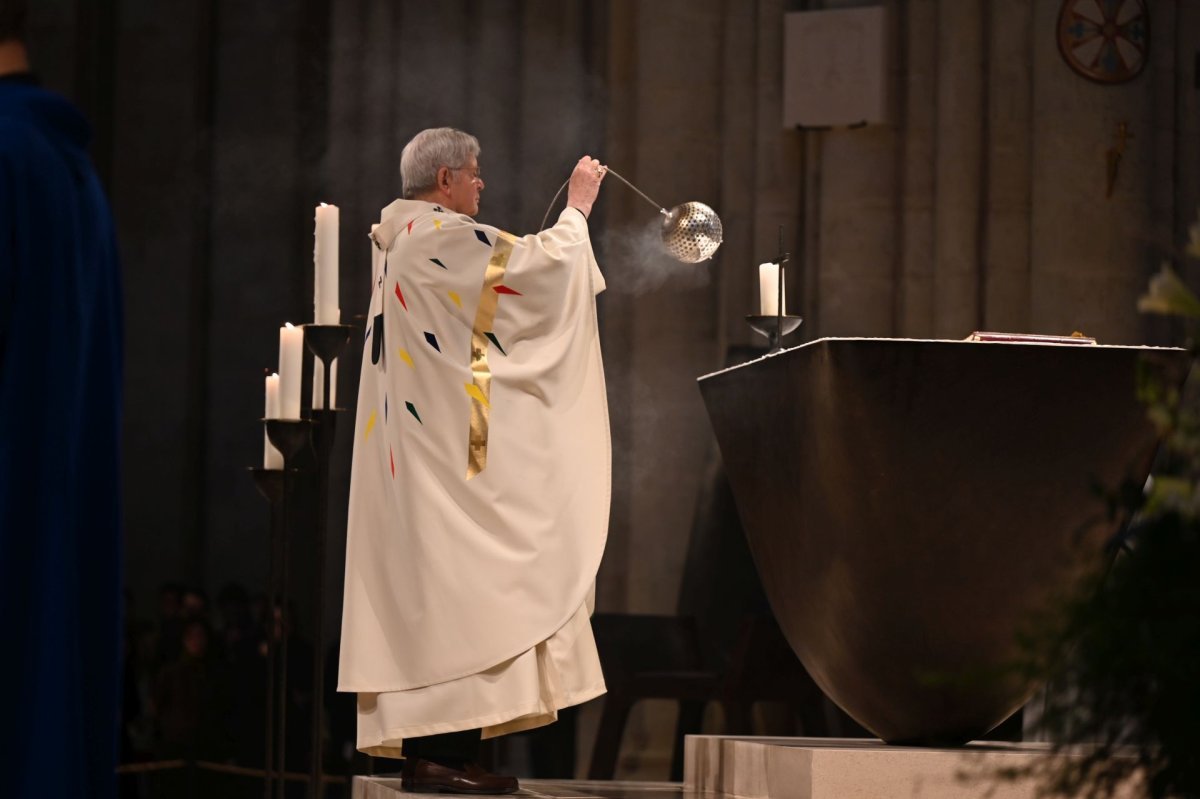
point(481, 475)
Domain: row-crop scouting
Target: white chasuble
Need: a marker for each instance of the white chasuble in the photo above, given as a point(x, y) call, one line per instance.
point(481, 479)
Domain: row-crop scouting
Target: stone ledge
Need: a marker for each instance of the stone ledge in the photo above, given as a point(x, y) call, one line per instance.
point(847, 768)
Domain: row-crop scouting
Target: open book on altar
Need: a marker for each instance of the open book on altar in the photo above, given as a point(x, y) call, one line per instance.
point(1030, 338)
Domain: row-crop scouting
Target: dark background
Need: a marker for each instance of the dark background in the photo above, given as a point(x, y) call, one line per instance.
point(220, 125)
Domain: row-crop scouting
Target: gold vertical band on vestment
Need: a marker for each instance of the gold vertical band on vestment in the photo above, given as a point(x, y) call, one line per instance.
point(481, 372)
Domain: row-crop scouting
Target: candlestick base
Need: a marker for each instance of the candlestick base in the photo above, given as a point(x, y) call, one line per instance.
point(771, 327)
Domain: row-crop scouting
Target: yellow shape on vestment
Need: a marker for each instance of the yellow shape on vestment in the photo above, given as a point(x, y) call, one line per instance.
point(475, 393)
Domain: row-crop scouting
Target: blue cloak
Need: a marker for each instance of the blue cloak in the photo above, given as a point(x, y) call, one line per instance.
point(60, 410)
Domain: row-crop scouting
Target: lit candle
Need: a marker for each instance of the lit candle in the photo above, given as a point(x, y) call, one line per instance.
point(291, 348)
point(768, 289)
point(272, 458)
point(325, 261)
point(318, 401)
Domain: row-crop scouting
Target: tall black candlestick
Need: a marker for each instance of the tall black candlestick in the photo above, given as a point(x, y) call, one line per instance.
point(270, 485)
point(325, 342)
point(290, 437)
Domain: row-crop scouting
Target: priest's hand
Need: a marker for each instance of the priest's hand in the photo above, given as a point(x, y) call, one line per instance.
point(585, 184)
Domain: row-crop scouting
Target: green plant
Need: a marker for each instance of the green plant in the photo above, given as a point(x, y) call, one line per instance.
point(1125, 651)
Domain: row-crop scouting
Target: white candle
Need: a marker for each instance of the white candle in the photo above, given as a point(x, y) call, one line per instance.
point(768, 289)
point(325, 261)
point(272, 458)
point(318, 401)
point(291, 348)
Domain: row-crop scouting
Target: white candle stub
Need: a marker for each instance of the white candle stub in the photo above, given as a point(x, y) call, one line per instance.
point(768, 290)
point(325, 263)
point(272, 458)
point(291, 349)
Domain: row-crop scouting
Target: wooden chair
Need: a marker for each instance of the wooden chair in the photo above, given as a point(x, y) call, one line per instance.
point(647, 657)
point(658, 657)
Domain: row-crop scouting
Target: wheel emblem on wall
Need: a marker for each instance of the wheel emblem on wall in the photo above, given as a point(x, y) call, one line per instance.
point(1104, 40)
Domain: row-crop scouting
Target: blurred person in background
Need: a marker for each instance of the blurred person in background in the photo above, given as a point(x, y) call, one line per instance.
point(60, 420)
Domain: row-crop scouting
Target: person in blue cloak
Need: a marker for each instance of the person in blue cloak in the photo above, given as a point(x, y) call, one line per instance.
point(60, 417)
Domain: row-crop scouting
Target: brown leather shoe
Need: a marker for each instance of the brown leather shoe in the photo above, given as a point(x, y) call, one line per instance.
point(425, 776)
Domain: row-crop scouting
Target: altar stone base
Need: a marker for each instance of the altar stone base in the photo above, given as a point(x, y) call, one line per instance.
point(388, 787)
point(842, 768)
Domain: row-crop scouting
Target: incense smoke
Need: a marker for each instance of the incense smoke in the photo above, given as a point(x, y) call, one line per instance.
point(635, 261)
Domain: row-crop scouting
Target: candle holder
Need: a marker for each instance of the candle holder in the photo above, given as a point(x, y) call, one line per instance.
point(774, 327)
point(326, 343)
point(289, 436)
point(777, 325)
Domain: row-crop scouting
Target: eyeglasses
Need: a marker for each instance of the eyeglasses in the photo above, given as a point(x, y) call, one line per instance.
point(472, 172)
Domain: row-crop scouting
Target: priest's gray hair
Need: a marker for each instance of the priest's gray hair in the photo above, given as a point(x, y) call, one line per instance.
point(429, 151)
